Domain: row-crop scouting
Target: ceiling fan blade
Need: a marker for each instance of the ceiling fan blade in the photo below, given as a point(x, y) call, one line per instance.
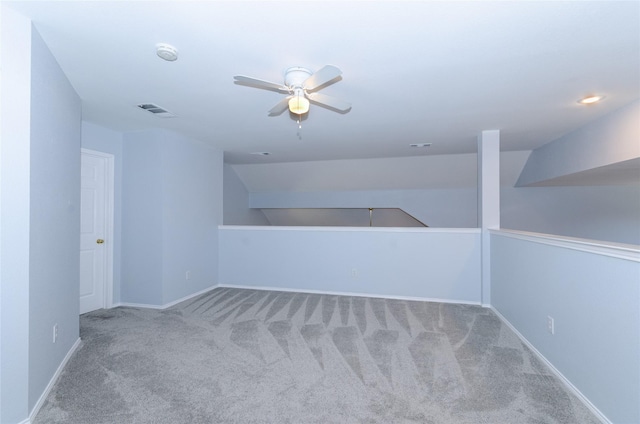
point(280, 107)
point(258, 83)
point(330, 102)
point(321, 77)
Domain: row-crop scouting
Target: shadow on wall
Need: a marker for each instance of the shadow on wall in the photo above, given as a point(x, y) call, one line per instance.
point(341, 217)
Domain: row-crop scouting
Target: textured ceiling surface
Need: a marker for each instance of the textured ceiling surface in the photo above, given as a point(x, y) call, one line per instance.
point(415, 72)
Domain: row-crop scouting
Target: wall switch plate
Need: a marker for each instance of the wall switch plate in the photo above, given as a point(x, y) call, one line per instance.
point(551, 325)
point(187, 275)
point(354, 273)
point(55, 332)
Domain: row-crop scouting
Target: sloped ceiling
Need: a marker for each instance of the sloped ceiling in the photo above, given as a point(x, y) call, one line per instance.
point(620, 173)
point(415, 72)
point(602, 152)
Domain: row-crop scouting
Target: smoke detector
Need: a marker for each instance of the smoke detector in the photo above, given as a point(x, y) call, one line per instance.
point(167, 52)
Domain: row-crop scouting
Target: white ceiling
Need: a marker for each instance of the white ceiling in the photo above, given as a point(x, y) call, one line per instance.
point(415, 72)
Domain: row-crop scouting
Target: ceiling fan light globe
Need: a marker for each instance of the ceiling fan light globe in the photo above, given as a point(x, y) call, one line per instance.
point(299, 105)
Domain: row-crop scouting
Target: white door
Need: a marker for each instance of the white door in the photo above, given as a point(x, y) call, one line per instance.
point(93, 231)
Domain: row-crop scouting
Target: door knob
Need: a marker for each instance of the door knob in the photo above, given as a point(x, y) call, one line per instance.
point(99, 241)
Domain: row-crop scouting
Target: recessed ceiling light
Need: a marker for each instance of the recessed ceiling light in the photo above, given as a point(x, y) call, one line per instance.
point(420, 145)
point(261, 153)
point(589, 100)
point(167, 52)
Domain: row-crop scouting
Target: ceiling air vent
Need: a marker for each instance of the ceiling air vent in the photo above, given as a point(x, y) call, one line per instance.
point(156, 110)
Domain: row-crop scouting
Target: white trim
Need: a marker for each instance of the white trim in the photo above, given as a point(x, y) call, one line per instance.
point(337, 293)
point(198, 293)
point(630, 252)
point(166, 305)
point(110, 217)
point(351, 229)
point(488, 184)
point(26, 421)
point(47, 390)
point(137, 305)
point(297, 290)
point(558, 374)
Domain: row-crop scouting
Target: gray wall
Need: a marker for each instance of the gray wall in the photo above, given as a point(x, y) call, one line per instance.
point(15, 169)
point(40, 220)
point(171, 207)
point(608, 213)
point(438, 190)
point(141, 277)
point(558, 197)
point(440, 208)
point(413, 263)
point(595, 301)
point(168, 202)
point(192, 211)
point(448, 198)
point(54, 240)
point(104, 140)
point(236, 202)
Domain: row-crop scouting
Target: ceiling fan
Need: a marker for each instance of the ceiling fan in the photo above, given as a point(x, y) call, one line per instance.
point(302, 87)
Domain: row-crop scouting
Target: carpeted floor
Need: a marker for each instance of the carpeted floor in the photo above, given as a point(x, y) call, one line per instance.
point(248, 356)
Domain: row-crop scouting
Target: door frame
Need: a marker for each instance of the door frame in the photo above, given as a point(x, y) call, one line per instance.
point(109, 222)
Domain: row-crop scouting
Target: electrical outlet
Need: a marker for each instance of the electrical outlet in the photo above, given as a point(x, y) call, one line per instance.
point(187, 275)
point(551, 325)
point(355, 273)
point(55, 332)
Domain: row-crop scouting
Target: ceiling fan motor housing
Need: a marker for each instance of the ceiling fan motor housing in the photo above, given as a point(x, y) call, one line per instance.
point(294, 77)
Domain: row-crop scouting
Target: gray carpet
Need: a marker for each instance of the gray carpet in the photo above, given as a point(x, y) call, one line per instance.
point(248, 356)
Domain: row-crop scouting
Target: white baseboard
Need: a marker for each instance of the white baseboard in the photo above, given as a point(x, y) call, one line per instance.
point(296, 290)
point(136, 305)
point(52, 382)
point(175, 302)
point(334, 293)
point(558, 374)
point(166, 305)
